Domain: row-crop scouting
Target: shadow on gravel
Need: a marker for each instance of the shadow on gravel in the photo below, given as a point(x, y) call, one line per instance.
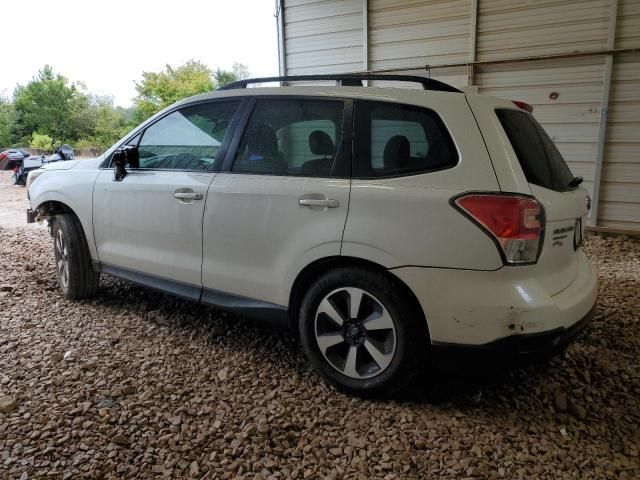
point(201, 322)
point(459, 389)
point(466, 390)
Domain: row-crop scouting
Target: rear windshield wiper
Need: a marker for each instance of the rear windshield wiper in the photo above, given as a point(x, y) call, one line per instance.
point(575, 182)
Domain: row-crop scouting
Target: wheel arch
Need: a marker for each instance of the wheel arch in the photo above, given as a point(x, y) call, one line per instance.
point(52, 207)
point(319, 267)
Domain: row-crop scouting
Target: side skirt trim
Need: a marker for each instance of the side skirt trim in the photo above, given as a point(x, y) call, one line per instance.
point(257, 309)
point(249, 307)
point(184, 290)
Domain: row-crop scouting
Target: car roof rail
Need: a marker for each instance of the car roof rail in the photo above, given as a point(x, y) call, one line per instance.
point(347, 80)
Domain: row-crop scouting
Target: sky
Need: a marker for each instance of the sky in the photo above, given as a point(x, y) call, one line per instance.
point(107, 44)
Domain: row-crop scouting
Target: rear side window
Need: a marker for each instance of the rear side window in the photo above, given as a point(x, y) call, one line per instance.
point(295, 137)
point(539, 157)
point(397, 140)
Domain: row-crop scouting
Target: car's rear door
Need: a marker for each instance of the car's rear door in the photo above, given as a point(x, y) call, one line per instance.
point(280, 202)
point(148, 226)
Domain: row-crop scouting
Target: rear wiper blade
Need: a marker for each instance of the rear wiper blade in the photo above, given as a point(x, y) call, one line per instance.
point(575, 182)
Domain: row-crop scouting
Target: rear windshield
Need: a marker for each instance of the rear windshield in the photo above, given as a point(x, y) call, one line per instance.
point(539, 157)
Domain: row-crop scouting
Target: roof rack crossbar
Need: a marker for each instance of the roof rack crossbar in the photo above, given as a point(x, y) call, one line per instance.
point(347, 79)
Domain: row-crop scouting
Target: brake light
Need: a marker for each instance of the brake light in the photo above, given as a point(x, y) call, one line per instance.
point(523, 105)
point(515, 222)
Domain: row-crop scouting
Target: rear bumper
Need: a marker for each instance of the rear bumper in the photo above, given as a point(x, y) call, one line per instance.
point(506, 309)
point(515, 349)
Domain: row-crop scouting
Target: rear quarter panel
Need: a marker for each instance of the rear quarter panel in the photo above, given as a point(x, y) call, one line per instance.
point(505, 163)
point(409, 220)
point(557, 265)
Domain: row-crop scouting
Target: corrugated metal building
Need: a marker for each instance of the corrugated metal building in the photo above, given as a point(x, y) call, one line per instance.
point(576, 61)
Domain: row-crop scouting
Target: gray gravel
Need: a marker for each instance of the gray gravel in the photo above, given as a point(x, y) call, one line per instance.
point(136, 383)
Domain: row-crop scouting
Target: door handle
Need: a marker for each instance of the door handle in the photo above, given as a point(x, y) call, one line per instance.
point(319, 202)
point(188, 195)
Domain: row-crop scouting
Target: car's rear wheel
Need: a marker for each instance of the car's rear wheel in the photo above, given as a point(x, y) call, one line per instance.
point(76, 276)
point(362, 332)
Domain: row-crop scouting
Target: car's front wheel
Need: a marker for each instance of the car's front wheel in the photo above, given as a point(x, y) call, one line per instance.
point(76, 276)
point(362, 332)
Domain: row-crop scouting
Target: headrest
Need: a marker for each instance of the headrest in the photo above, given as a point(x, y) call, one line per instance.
point(320, 143)
point(397, 152)
point(262, 140)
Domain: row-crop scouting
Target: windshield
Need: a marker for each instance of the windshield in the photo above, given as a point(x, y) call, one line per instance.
point(539, 157)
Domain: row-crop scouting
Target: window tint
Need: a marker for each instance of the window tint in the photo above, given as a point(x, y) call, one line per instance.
point(133, 142)
point(539, 158)
point(397, 140)
point(188, 139)
point(291, 137)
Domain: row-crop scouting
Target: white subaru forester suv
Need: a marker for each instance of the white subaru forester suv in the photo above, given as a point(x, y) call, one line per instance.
point(390, 226)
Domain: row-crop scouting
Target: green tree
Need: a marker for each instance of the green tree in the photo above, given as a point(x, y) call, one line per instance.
point(237, 72)
point(6, 121)
point(106, 123)
point(46, 105)
point(43, 142)
point(158, 90)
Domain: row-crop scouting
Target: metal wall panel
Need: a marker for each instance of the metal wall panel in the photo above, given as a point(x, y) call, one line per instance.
point(522, 28)
point(323, 36)
point(628, 26)
point(404, 33)
point(620, 184)
point(572, 118)
point(453, 76)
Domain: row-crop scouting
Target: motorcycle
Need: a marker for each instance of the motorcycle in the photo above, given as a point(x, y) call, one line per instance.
point(22, 168)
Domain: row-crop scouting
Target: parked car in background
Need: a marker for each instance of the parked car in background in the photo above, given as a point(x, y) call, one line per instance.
point(28, 164)
point(388, 226)
point(10, 157)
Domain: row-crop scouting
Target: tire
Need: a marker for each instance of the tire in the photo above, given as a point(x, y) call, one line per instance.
point(388, 332)
point(76, 276)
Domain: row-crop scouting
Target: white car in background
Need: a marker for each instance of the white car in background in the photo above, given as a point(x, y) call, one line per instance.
point(390, 226)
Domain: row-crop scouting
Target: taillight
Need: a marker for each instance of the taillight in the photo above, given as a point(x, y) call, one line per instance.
point(523, 105)
point(515, 222)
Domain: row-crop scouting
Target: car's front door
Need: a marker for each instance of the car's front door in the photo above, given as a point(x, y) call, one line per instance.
point(148, 226)
point(280, 203)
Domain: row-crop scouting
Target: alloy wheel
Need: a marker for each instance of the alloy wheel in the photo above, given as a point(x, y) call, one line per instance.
point(62, 259)
point(355, 333)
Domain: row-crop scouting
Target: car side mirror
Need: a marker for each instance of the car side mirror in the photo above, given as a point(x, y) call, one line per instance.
point(123, 158)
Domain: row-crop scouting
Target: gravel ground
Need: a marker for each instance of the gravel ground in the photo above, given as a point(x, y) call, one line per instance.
point(136, 383)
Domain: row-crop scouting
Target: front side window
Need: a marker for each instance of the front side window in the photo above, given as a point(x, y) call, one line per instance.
point(187, 139)
point(292, 137)
point(395, 140)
